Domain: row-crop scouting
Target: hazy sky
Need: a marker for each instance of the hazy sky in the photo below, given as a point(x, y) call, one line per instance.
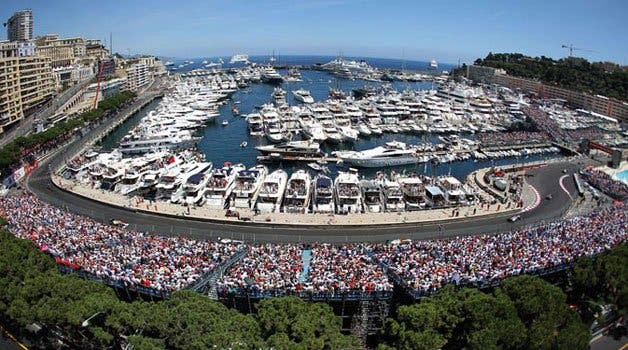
point(422, 30)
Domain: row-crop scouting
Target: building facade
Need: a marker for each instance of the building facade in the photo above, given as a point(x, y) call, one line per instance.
point(25, 84)
point(20, 26)
point(608, 106)
point(137, 76)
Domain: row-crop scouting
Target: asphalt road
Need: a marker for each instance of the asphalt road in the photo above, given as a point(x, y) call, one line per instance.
point(545, 180)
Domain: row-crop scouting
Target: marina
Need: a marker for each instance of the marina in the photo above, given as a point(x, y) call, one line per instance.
point(380, 148)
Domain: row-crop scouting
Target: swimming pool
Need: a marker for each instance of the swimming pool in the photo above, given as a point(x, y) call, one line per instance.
point(622, 176)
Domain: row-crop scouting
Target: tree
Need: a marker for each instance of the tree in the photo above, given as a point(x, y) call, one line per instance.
point(291, 323)
point(542, 308)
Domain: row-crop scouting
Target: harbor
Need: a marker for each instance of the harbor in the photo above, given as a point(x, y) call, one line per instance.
point(259, 144)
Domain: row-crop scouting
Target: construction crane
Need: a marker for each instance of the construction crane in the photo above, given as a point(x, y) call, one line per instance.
point(572, 48)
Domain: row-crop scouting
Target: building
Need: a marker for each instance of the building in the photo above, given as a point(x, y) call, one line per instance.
point(95, 49)
point(25, 83)
point(137, 76)
point(20, 26)
point(71, 75)
point(608, 106)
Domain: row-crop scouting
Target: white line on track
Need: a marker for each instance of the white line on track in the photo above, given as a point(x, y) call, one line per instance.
point(562, 185)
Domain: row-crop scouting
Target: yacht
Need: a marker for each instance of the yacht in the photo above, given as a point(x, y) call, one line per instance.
point(221, 184)
point(271, 193)
point(239, 58)
point(189, 170)
point(313, 131)
point(292, 148)
point(275, 134)
point(348, 193)
point(373, 196)
point(270, 76)
point(393, 196)
point(303, 96)
point(247, 186)
point(322, 195)
point(413, 192)
point(390, 154)
point(196, 185)
point(256, 124)
point(168, 183)
point(297, 197)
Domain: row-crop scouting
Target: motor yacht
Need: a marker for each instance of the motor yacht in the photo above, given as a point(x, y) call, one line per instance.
point(393, 196)
point(348, 193)
point(303, 96)
point(247, 186)
point(322, 195)
point(413, 192)
point(372, 195)
point(272, 191)
point(390, 154)
point(297, 196)
point(292, 148)
point(220, 185)
point(196, 185)
point(270, 76)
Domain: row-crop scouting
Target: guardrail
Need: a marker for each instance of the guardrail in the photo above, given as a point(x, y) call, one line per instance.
point(355, 295)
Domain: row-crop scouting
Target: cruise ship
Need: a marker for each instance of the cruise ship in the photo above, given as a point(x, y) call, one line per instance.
point(271, 194)
point(297, 197)
point(303, 96)
point(390, 154)
point(221, 184)
point(247, 186)
point(323, 195)
point(348, 193)
point(292, 148)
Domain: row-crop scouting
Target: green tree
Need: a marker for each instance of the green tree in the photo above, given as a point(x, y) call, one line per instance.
point(291, 323)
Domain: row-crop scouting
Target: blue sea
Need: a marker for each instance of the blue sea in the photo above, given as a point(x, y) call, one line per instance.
point(222, 143)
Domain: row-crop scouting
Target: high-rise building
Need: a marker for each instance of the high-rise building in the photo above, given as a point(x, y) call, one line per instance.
point(20, 26)
point(137, 76)
point(26, 82)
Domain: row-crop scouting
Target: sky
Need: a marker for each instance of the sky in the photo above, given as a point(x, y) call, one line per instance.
point(415, 30)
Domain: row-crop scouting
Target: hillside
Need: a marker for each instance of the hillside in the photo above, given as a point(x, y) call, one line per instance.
point(599, 78)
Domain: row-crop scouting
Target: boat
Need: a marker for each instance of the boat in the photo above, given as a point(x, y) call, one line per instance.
point(297, 197)
point(196, 185)
point(225, 122)
point(247, 186)
point(372, 196)
point(348, 193)
point(303, 96)
point(239, 58)
point(168, 183)
point(393, 196)
point(413, 192)
point(221, 184)
point(392, 153)
point(322, 195)
point(244, 144)
point(315, 166)
point(189, 170)
point(272, 191)
point(235, 111)
point(270, 76)
point(292, 148)
point(433, 64)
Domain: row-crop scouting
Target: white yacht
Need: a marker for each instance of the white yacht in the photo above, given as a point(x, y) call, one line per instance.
point(168, 183)
point(390, 154)
point(348, 193)
point(247, 186)
point(190, 169)
point(271, 193)
point(292, 148)
point(313, 131)
point(270, 76)
point(196, 185)
point(239, 58)
point(322, 195)
point(393, 196)
point(372, 195)
point(413, 192)
point(297, 197)
point(303, 96)
point(221, 184)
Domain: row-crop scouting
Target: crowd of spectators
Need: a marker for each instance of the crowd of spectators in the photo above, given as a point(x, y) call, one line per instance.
point(347, 267)
point(267, 267)
point(426, 266)
point(112, 252)
point(605, 183)
point(512, 138)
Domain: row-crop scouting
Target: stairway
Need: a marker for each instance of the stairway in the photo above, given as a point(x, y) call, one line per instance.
point(306, 258)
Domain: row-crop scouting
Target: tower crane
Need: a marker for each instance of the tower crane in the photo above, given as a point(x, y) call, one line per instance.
point(572, 49)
